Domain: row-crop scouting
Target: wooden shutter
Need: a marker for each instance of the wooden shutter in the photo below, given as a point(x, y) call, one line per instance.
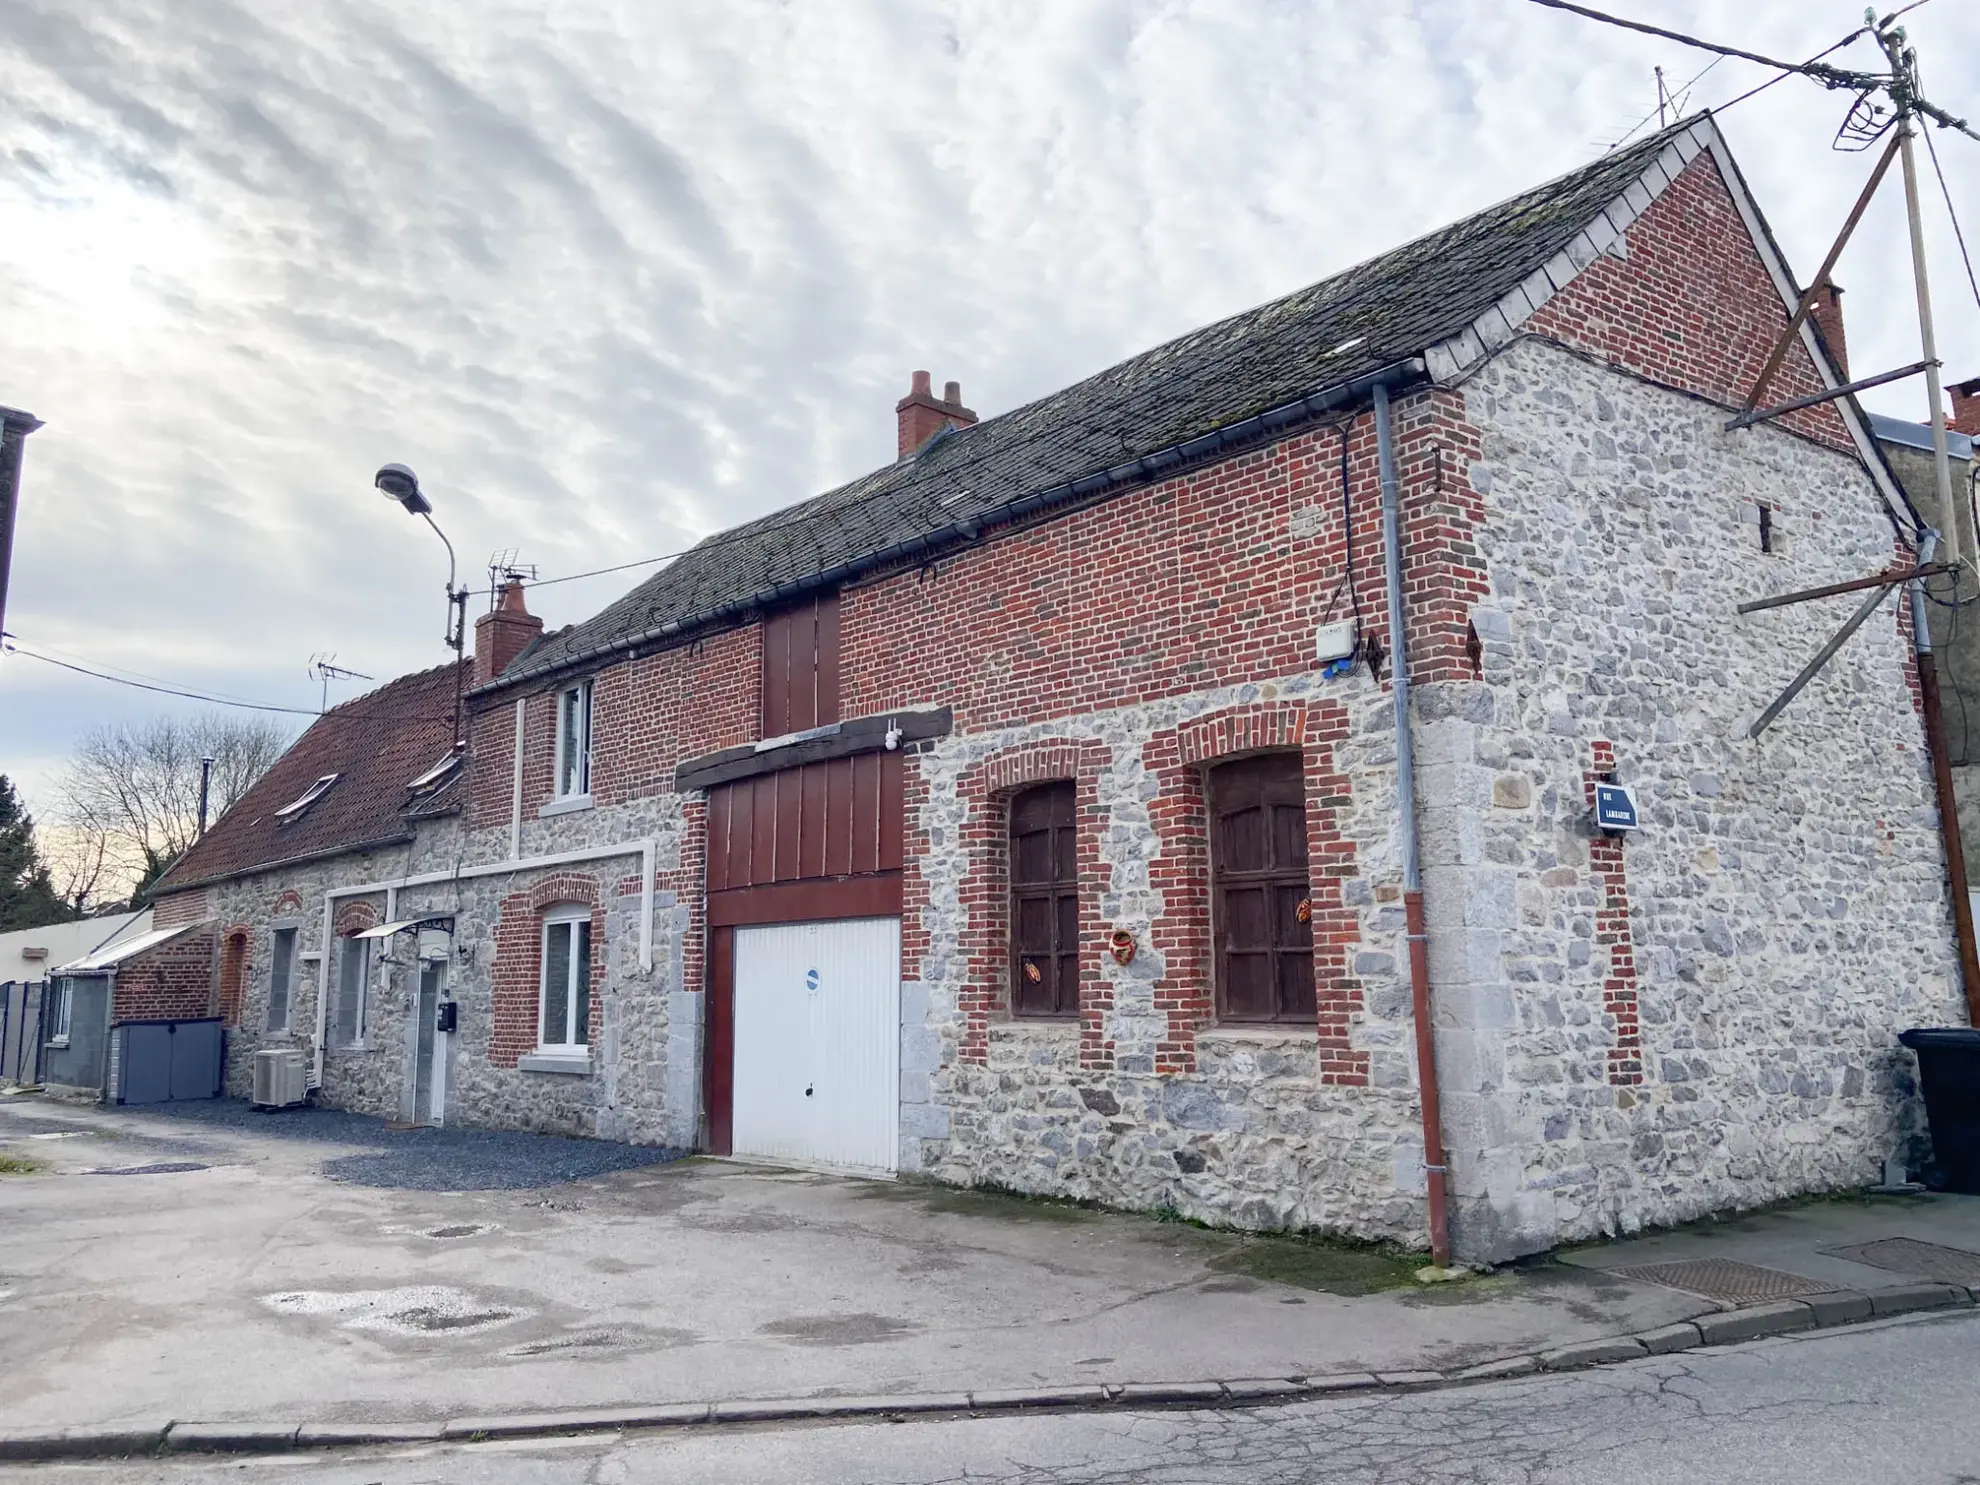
point(1044, 902)
point(801, 667)
point(1259, 867)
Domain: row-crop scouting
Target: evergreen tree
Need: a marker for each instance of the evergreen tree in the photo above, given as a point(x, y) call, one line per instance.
point(27, 898)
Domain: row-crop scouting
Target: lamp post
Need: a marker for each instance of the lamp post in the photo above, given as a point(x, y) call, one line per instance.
point(400, 484)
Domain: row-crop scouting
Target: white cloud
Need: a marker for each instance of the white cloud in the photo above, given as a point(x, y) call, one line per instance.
point(612, 276)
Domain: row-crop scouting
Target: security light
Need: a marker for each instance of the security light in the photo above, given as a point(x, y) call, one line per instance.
point(401, 484)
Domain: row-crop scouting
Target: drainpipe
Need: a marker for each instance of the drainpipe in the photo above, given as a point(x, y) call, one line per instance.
point(1942, 783)
point(1414, 929)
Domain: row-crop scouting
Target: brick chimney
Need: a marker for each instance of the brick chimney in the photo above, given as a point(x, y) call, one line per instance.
point(922, 416)
point(503, 633)
point(1966, 407)
point(1827, 315)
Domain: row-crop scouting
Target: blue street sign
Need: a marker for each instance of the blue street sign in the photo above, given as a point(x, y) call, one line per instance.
point(1615, 807)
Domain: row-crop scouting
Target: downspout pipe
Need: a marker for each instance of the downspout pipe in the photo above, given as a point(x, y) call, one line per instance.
point(1942, 784)
point(1415, 930)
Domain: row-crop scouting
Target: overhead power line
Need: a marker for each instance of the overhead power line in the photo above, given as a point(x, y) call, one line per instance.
point(164, 690)
point(1835, 77)
point(1946, 191)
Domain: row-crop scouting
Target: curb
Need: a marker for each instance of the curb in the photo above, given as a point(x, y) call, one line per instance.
point(1838, 1310)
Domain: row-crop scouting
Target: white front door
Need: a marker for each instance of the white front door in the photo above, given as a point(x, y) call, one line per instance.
point(818, 1041)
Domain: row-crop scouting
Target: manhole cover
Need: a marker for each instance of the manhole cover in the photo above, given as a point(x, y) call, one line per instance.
point(1909, 1256)
point(1722, 1278)
point(163, 1168)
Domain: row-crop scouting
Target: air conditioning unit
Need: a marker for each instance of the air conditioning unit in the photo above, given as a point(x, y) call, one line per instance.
point(279, 1076)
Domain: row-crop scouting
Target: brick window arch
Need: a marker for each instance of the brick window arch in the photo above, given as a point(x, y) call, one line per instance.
point(233, 975)
point(1044, 872)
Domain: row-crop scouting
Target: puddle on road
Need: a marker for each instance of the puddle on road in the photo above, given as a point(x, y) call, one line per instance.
point(415, 1310)
point(837, 1330)
point(161, 1168)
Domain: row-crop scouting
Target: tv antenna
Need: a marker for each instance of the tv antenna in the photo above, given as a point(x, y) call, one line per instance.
point(323, 667)
point(504, 567)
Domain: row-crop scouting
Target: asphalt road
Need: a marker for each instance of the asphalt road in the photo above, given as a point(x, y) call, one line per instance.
point(1895, 1401)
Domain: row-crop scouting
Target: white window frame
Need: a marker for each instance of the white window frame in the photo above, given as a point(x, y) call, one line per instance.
point(295, 808)
point(574, 751)
point(578, 952)
point(61, 1007)
point(288, 989)
point(355, 1041)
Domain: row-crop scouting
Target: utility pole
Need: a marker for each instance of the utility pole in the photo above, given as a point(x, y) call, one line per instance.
point(1904, 93)
point(15, 426)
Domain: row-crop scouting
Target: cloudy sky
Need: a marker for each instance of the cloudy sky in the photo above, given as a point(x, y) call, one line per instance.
point(611, 276)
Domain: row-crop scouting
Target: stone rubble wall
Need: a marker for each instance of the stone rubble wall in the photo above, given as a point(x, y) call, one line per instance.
point(1788, 914)
point(644, 1086)
point(1252, 1137)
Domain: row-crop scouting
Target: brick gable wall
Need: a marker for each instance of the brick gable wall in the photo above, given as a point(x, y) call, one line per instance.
point(1691, 306)
point(171, 982)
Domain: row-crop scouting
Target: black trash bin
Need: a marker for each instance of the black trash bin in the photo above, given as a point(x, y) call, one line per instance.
point(1949, 1070)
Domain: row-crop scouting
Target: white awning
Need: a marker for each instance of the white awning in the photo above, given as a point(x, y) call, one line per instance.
point(386, 930)
point(443, 922)
point(108, 959)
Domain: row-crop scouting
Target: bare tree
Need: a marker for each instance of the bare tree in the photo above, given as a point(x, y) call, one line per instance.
point(88, 867)
point(135, 786)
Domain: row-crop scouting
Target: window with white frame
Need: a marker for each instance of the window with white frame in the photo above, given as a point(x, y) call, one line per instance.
point(574, 741)
point(61, 1001)
point(564, 1009)
point(348, 1006)
point(281, 977)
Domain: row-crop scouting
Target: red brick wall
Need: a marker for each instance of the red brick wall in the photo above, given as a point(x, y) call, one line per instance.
point(177, 908)
point(1613, 932)
point(648, 715)
point(1692, 306)
point(515, 979)
point(172, 981)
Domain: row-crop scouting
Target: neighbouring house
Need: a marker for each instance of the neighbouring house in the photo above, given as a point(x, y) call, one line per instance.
point(294, 885)
point(27, 958)
point(1955, 629)
point(1032, 811)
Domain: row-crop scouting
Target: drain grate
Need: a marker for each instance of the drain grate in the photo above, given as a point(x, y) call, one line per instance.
point(1722, 1278)
point(1909, 1256)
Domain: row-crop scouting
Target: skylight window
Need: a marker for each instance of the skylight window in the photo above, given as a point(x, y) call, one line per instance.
point(295, 808)
point(438, 774)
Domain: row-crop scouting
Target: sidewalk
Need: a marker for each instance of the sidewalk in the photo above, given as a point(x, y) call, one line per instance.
point(221, 1276)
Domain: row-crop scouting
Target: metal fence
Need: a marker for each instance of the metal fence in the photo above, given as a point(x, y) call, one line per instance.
point(23, 1003)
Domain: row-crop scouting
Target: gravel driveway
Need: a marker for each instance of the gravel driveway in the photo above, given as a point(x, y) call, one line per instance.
point(414, 1159)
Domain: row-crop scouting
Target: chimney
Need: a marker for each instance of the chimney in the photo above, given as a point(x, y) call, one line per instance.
point(503, 633)
point(1966, 407)
point(1827, 315)
point(922, 416)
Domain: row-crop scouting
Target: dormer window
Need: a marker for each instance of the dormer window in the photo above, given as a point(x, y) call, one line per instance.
point(295, 809)
point(438, 774)
point(574, 742)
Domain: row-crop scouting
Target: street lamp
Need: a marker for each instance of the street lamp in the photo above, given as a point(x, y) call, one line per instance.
point(400, 484)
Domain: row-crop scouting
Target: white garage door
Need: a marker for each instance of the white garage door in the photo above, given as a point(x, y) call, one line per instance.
point(818, 1039)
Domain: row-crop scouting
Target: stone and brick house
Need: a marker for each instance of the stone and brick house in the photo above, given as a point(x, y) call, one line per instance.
point(1029, 811)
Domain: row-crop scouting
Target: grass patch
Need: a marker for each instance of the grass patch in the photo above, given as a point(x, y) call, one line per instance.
point(985, 1200)
point(19, 1165)
point(1322, 1261)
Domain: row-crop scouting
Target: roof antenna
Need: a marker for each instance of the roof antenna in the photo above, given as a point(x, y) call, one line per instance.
point(321, 669)
point(503, 568)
